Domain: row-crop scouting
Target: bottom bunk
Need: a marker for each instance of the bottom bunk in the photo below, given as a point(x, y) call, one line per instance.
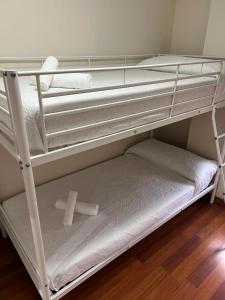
point(136, 193)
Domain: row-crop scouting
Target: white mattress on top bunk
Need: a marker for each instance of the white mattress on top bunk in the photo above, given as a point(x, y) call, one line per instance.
point(31, 108)
point(134, 194)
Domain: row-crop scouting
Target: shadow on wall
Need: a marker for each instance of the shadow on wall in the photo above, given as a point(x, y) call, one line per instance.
point(11, 182)
point(176, 133)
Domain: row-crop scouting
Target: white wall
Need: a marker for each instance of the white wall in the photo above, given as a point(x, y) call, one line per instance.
point(190, 24)
point(81, 27)
point(215, 41)
point(59, 27)
point(188, 37)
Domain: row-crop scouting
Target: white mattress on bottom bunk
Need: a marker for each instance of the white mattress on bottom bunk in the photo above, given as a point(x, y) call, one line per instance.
point(134, 196)
point(31, 108)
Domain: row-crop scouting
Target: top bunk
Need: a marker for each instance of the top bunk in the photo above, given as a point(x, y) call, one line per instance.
point(61, 110)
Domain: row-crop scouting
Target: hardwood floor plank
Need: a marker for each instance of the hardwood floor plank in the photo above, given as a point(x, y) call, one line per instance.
point(203, 270)
point(212, 225)
point(219, 293)
point(163, 291)
point(181, 253)
point(209, 247)
point(185, 291)
point(211, 284)
point(146, 283)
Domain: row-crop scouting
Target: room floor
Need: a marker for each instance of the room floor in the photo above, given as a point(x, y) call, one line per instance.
point(185, 259)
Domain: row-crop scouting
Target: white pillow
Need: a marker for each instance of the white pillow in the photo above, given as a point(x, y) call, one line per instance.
point(188, 69)
point(50, 64)
point(183, 162)
point(72, 81)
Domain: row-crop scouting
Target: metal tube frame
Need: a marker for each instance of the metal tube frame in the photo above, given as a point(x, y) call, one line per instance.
point(43, 95)
point(27, 172)
point(27, 161)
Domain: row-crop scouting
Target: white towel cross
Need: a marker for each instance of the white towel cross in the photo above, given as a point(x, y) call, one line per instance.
point(71, 205)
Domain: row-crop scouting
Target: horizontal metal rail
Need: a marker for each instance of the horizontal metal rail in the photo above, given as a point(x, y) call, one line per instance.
point(3, 110)
point(63, 152)
point(193, 100)
point(120, 68)
point(220, 104)
point(120, 103)
point(209, 57)
point(36, 59)
point(122, 86)
point(74, 58)
point(102, 123)
point(151, 113)
point(103, 106)
point(220, 136)
point(2, 93)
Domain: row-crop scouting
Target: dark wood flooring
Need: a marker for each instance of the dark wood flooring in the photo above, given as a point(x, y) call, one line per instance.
point(185, 259)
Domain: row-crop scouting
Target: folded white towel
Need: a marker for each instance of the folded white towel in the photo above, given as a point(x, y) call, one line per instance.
point(50, 64)
point(71, 205)
point(72, 81)
point(83, 208)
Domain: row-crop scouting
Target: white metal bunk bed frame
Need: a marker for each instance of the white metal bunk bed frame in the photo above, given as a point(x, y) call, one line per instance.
point(20, 150)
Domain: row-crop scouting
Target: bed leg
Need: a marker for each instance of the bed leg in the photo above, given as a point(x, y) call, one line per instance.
point(214, 191)
point(213, 195)
point(25, 165)
point(30, 190)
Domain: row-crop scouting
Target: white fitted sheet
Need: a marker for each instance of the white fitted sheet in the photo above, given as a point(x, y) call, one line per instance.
point(134, 195)
point(32, 117)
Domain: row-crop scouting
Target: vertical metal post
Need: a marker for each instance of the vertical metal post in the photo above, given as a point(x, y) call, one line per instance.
point(27, 172)
point(42, 116)
point(175, 90)
point(217, 82)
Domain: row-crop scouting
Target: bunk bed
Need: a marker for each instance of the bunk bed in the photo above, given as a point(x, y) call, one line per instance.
point(126, 99)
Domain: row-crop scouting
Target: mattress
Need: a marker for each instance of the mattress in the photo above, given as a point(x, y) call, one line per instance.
point(134, 195)
point(98, 115)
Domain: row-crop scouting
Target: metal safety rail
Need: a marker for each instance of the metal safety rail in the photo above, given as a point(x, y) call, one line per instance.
point(50, 154)
point(19, 148)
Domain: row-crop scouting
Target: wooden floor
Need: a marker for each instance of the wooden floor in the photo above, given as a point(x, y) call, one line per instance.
point(184, 259)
